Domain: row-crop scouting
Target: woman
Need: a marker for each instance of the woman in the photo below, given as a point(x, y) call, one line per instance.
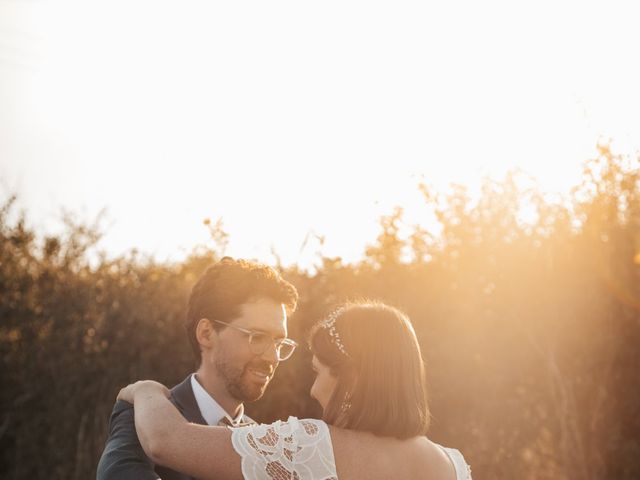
point(370, 383)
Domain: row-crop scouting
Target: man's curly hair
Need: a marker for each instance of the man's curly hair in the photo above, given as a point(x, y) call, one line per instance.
point(226, 285)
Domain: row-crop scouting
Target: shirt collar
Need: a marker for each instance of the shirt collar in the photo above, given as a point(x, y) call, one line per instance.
point(211, 410)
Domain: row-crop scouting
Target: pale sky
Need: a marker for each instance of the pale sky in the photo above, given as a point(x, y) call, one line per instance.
point(287, 117)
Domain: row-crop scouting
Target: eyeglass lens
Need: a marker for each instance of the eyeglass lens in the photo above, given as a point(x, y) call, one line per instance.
point(261, 341)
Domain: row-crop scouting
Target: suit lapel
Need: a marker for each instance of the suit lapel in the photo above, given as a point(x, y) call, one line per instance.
point(185, 401)
point(183, 398)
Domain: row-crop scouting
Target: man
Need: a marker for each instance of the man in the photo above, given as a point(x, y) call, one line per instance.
point(237, 326)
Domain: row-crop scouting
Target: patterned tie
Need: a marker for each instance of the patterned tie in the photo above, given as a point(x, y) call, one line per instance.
point(227, 422)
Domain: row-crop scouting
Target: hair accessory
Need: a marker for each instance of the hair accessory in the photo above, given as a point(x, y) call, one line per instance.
point(330, 325)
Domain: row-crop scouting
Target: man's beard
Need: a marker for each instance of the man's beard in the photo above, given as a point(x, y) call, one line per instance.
point(238, 382)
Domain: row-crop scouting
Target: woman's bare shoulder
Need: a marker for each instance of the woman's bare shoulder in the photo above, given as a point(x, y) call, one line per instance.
point(364, 455)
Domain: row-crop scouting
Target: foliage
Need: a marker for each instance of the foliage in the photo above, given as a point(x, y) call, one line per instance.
point(530, 329)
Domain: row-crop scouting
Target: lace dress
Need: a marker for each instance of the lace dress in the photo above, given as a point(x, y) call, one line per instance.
point(298, 450)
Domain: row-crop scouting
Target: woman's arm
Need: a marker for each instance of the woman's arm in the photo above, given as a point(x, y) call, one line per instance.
point(168, 439)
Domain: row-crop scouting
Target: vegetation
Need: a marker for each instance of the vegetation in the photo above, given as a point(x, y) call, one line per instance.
point(528, 311)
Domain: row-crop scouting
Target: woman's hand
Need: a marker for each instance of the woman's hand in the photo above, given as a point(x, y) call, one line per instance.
point(129, 392)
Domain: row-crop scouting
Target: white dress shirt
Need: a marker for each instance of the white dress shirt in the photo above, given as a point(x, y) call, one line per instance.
point(211, 410)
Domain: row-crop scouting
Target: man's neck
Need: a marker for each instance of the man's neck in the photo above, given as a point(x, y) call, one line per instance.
point(216, 388)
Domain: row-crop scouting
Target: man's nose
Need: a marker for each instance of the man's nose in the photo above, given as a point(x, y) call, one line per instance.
point(271, 354)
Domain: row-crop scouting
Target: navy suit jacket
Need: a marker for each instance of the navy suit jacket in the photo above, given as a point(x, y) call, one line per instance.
point(123, 457)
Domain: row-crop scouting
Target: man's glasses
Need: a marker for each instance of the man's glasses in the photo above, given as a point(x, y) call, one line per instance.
point(260, 341)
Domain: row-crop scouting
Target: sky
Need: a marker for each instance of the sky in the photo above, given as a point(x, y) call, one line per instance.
point(291, 119)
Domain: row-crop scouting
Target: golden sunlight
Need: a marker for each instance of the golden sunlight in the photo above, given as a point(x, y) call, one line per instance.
point(475, 164)
point(220, 114)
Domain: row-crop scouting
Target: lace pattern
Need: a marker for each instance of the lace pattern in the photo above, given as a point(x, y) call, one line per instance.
point(291, 450)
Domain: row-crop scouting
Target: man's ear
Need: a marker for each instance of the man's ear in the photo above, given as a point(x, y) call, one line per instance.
point(205, 334)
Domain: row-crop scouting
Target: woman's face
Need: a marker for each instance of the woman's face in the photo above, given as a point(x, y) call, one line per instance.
point(325, 383)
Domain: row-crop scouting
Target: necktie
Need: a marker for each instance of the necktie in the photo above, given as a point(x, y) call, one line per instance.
point(226, 422)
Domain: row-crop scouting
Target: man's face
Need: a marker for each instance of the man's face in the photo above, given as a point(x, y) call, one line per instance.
point(246, 374)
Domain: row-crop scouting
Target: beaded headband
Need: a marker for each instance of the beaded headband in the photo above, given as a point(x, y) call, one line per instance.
point(330, 325)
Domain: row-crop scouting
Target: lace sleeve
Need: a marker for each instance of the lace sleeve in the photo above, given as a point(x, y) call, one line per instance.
point(295, 449)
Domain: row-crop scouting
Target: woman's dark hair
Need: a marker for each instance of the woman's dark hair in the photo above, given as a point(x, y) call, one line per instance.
point(381, 385)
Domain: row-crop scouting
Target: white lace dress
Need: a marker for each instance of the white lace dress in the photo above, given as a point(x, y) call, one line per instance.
point(299, 450)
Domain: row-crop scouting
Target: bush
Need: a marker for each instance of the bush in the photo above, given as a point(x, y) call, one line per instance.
point(530, 330)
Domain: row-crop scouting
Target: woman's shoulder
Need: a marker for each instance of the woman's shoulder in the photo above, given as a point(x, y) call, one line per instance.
point(361, 454)
point(295, 434)
point(462, 469)
point(284, 448)
point(317, 448)
point(306, 427)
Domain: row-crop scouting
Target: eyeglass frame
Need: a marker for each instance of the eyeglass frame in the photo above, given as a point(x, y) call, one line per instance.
point(276, 343)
